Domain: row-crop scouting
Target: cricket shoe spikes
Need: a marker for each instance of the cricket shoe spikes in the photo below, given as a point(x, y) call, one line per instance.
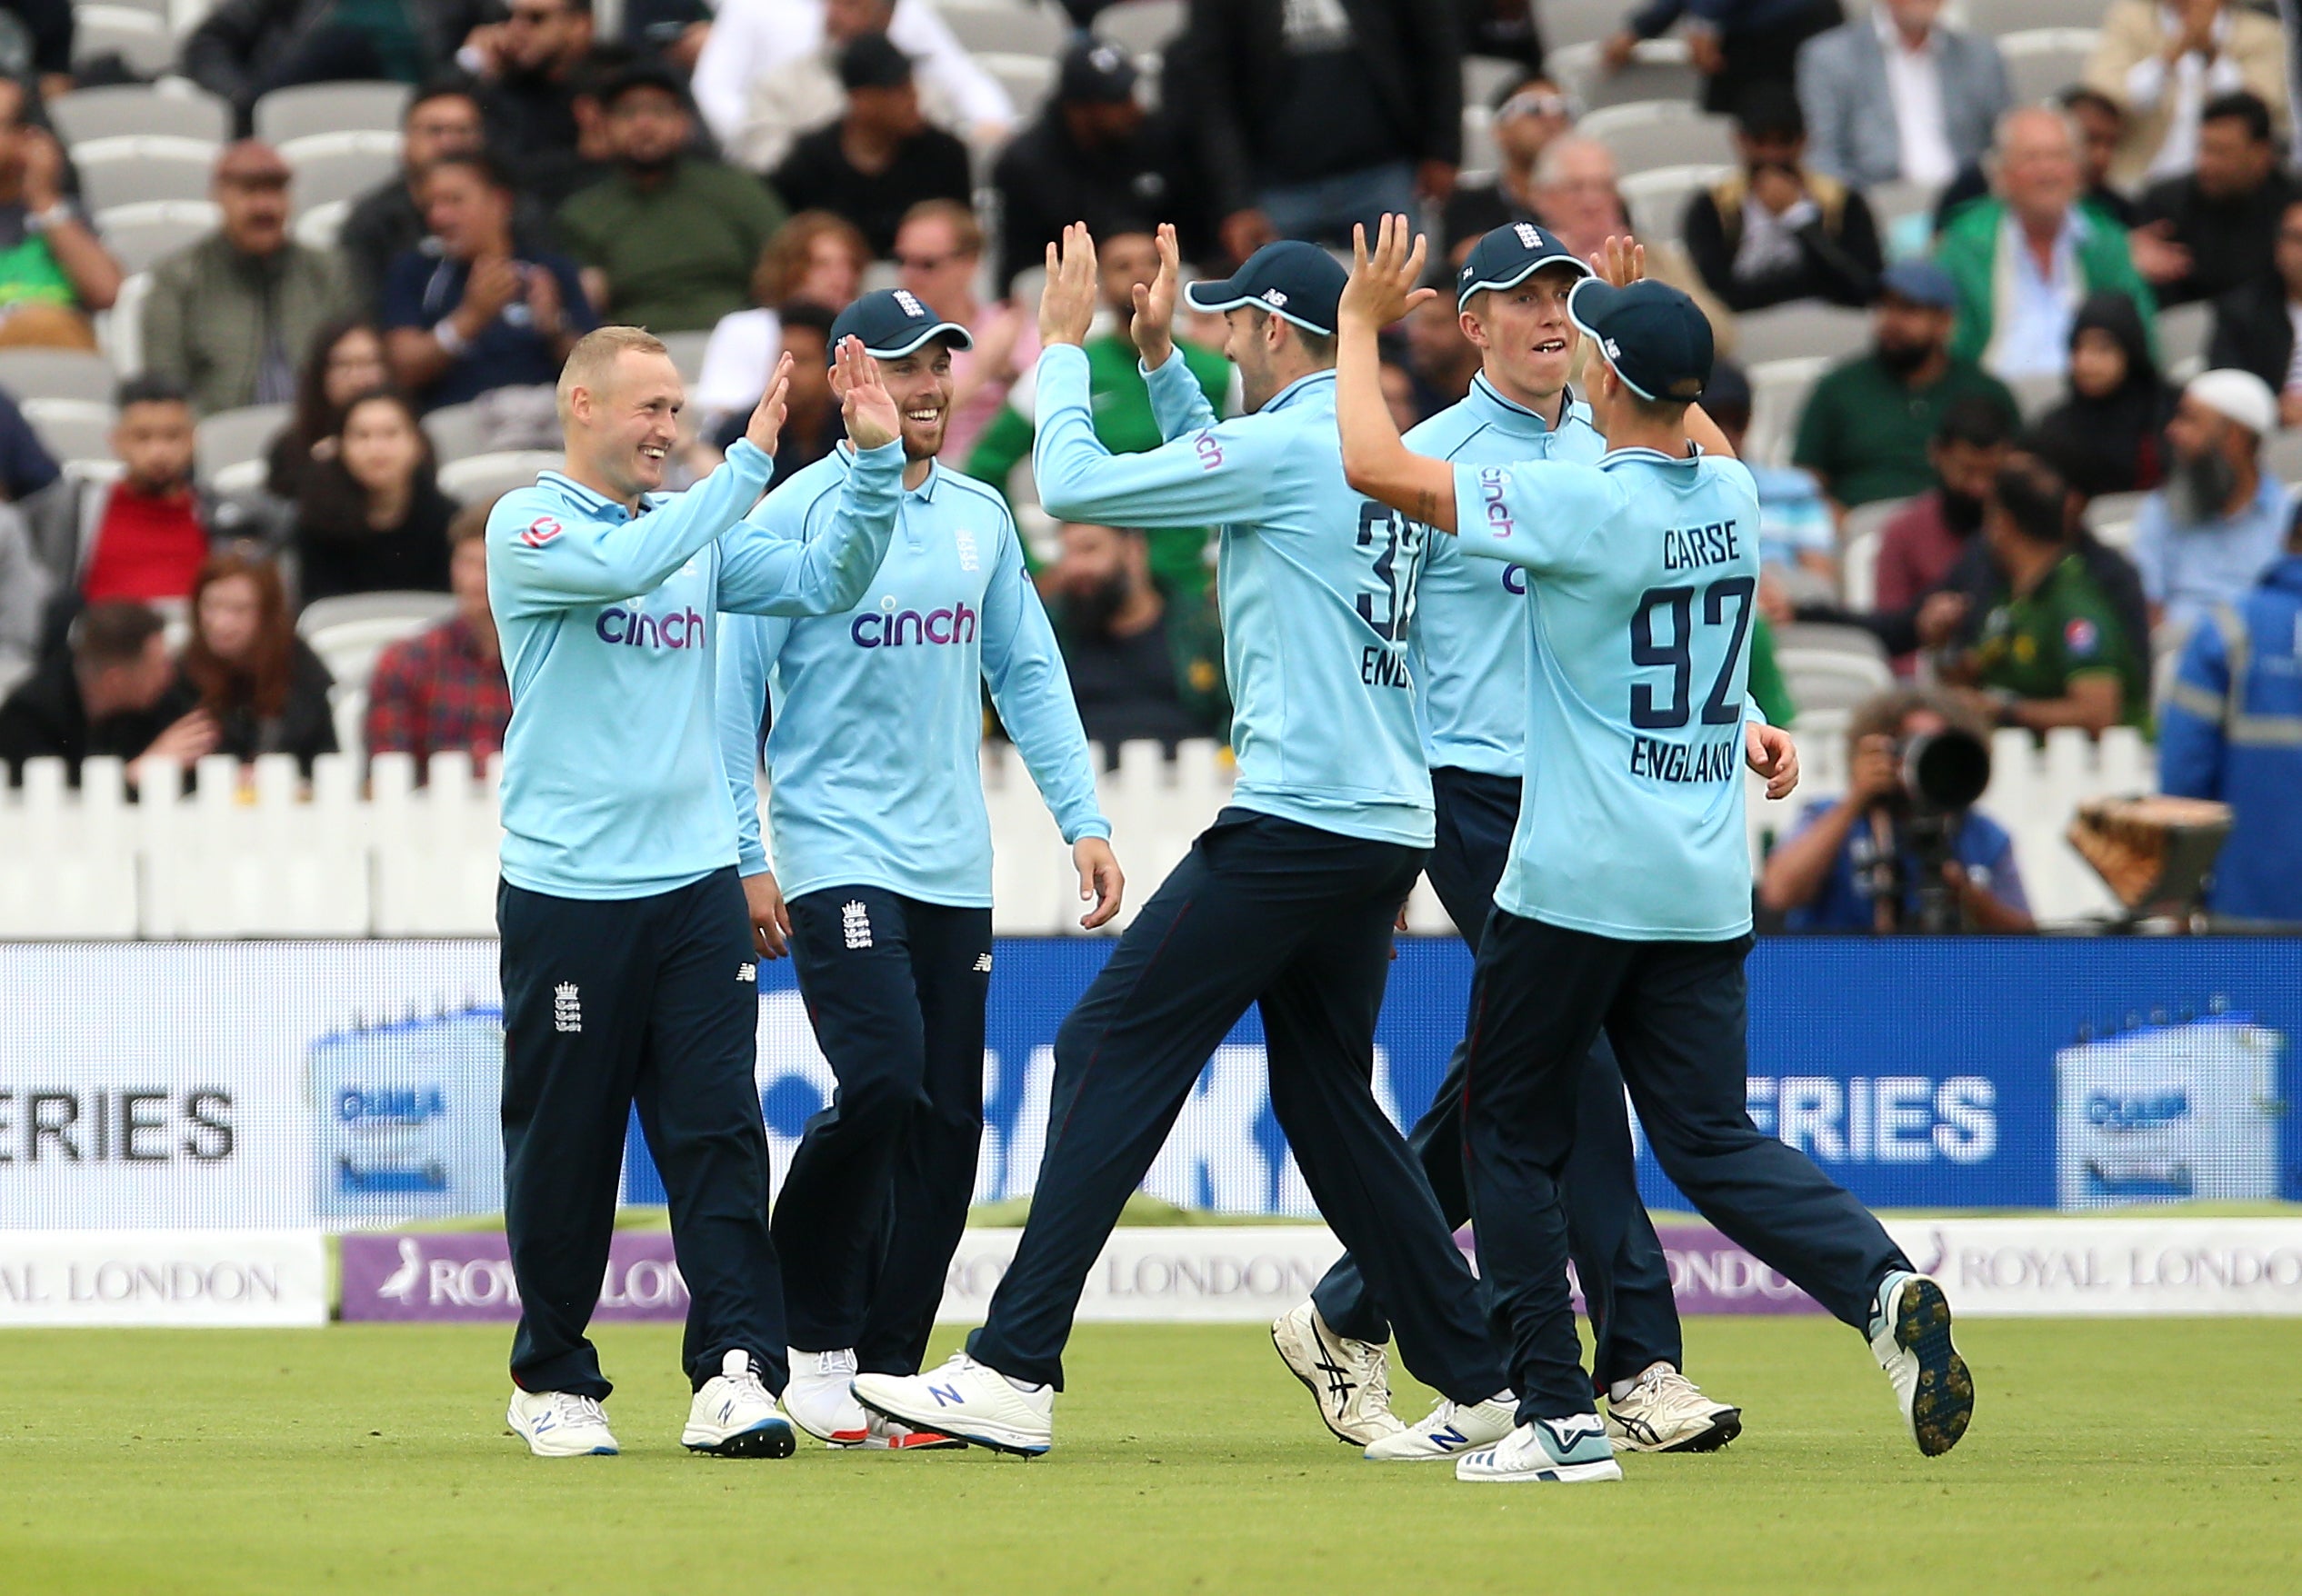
point(1910, 1337)
point(971, 1401)
point(733, 1416)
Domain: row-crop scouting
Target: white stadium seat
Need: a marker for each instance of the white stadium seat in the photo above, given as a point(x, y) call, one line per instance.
point(56, 374)
point(138, 37)
point(178, 109)
point(141, 235)
point(231, 436)
point(2043, 62)
point(120, 329)
point(289, 114)
point(1012, 29)
point(1786, 332)
point(1656, 198)
point(1654, 133)
point(340, 167)
point(482, 477)
point(73, 429)
point(1028, 79)
point(138, 167)
point(1146, 26)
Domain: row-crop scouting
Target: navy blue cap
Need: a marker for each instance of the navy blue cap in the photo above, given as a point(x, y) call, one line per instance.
point(1508, 255)
point(1920, 282)
point(1656, 339)
point(892, 323)
point(1298, 281)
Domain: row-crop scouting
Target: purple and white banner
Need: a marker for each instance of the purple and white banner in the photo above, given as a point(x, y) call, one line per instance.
point(1251, 1273)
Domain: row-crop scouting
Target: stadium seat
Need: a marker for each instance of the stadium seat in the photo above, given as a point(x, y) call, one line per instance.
point(333, 166)
point(1028, 79)
point(482, 477)
point(1479, 151)
point(2039, 392)
point(2002, 17)
point(1484, 77)
point(318, 226)
point(1858, 544)
point(73, 429)
point(120, 329)
point(138, 37)
point(56, 374)
point(1656, 198)
point(2043, 62)
point(1832, 678)
point(2282, 454)
point(1656, 134)
point(1579, 21)
point(232, 436)
point(1145, 27)
point(181, 110)
point(138, 167)
point(348, 632)
point(452, 435)
point(686, 352)
point(1659, 71)
point(1785, 332)
point(68, 860)
point(1778, 390)
point(1017, 30)
point(2184, 332)
point(286, 114)
point(141, 235)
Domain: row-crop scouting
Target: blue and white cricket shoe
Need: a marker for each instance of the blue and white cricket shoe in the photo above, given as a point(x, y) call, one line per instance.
point(1910, 1337)
point(1572, 1451)
point(1449, 1430)
point(560, 1424)
point(967, 1398)
point(734, 1417)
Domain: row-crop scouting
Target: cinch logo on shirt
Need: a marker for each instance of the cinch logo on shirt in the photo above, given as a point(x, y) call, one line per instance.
point(894, 628)
point(635, 629)
point(1498, 513)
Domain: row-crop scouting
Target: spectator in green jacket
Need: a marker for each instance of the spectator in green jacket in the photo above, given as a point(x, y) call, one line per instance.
point(1123, 418)
point(2024, 258)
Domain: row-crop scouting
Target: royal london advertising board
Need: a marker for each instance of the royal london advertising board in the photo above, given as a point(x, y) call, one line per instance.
point(356, 1084)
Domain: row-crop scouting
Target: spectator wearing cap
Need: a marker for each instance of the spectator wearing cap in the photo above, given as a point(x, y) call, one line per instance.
point(669, 240)
point(1798, 537)
point(244, 49)
point(1866, 426)
point(104, 697)
point(532, 75)
point(753, 41)
point(2024, 258)
point(802, 90)
point(1146, 665)
point(1092, 156)
point(229, 317)
point(2258, 327)
point(1314, 116)
point(1119, 404)
point(478, 315)
point(880, 158)
point(55, 273)
point(1943, 90)
point(1733, 44)
point(1529, 115)
point(2231, 729)
point(443, 691)
point(1776, 231)
point(938, 252)
point(2206, 537)
point(2209, 230)
point(2104, 436)
point(2160, 61)
point(142, 536)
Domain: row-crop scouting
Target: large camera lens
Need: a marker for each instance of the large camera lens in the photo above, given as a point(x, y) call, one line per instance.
point(1947, 770)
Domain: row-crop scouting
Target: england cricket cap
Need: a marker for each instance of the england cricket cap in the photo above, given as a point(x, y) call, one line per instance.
point(892, 323)
point(1298, 281)
point(1509, 255)
point(1656, 338)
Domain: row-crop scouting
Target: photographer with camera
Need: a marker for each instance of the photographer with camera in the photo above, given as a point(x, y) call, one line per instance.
point(1903, 850)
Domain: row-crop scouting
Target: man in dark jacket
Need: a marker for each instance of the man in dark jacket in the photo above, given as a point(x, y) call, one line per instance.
point(2210, 230)
point(1733, 44)
point(105, 696)
point(2254, 324)
point(1313, 115)
point(245, 48)
point(1777, 230)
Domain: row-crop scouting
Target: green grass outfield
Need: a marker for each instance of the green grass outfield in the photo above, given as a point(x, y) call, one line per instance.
point(2107, 1455)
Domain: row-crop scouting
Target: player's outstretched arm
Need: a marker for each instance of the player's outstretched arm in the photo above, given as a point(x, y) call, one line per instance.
point(1376, 461)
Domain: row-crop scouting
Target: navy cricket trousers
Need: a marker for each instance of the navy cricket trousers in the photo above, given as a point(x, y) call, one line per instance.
point(1296, 921)
point(876, 1196)
point(1676, 1012)
point(608, 1004)
point(1618, 1257)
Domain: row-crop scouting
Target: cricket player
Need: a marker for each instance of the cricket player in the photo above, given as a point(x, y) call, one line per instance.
point(628, 969)
point(883, 850)
point(1286, 901)
point(1468, 652)
point(1625, 905)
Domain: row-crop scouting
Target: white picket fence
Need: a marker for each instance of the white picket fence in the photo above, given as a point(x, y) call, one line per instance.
point(276, 858)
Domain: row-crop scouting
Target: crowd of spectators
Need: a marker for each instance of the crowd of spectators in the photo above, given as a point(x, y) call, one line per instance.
point(739, 172)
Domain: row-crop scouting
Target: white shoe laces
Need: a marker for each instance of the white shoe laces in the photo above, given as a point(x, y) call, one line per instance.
point(746, 1383)
point(570, 1408)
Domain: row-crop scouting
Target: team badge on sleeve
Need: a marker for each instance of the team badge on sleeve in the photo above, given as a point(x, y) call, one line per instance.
point(2081, 639)
point(540, 531)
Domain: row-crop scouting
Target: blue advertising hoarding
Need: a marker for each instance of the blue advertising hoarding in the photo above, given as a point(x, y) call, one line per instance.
point(1918, 1072)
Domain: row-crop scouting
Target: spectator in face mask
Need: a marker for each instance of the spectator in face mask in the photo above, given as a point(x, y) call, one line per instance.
point(1140, 669)
point(2104, 437)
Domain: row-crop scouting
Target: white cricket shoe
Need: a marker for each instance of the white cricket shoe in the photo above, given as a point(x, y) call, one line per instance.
point(734, 1417)
point(1573, 1451)
point(1910, 1337)
point(560, 1424)
point(1665, 1411)
point(818, 1400)
point(971, 1401)
point(1350, 1380)
point(1449, 1430)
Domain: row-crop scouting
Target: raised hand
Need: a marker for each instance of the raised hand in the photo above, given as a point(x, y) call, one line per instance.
point(865, 404)
point(1382, 286)
point(1066, 310)
point(767, 417)
point(1620, 261)
point(1153, 328)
